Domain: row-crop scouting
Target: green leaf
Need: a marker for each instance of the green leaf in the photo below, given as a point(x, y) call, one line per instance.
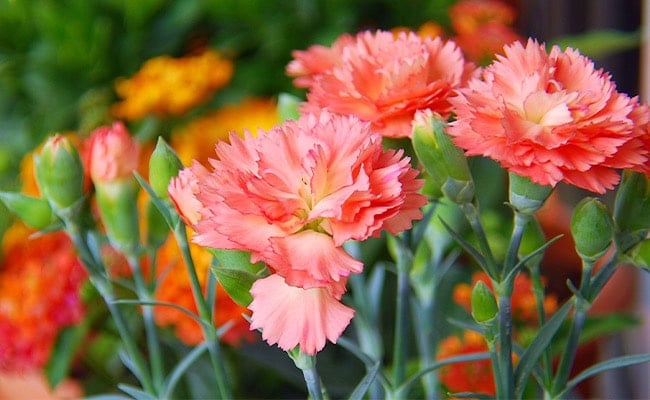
point(136, 393)
point(67, 343)
point(237, 283)
point(614, 363)
point(365, 383)
point(34, 211)
point(237, 259)
point(540, 344)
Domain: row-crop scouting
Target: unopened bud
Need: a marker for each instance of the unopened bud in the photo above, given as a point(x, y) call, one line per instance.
point(445, 164)
point(59, 173)
point(484, 305)
point(591, 227)
point(164, 164)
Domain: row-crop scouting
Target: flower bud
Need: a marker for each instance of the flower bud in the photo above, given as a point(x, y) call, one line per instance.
point(33, 211)
point(526, 197)
point(112, 158)
point(591, 227)
point(484, 305)
point(164, 164)
point(59, 173)
point(112, 154)
point(444, 163)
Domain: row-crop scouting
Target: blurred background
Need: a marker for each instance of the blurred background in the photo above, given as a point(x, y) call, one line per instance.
point(60, 61)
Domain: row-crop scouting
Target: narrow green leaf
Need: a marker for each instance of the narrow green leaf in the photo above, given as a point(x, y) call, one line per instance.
point(365, 383)
point(467, 246)
point(67, 343)
point(181, 367)
point(135, 392)
point(601, 42)
point(537, 347)
point(619, 362)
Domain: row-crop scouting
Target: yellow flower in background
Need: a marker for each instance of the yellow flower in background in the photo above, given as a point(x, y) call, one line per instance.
point(171, 86)
point(197, 139)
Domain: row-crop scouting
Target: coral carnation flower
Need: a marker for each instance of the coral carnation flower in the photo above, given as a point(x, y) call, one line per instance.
point(551, 117)
point(385, 78)
point(291, 316)
point(308, 184)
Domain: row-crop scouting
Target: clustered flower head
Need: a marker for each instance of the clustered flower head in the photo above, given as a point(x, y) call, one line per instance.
point(292, 196)
point(381, 77)
point(40, 282)
point(551, 117)
point(171, 86)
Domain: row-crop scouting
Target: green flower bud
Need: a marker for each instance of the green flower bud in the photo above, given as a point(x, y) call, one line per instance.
point(484, 305)
point(164, 164)
point(632, 205)
point(527, 197)
point(445, 164)
point(59, 173)
point(33, 211)
point(591, 227)
point(117, 203)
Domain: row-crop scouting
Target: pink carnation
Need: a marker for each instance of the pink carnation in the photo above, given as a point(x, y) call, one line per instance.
point(312, 183)
point(551, 117)
point(383, 78)
point(292, 196)
point(315, 60)
point(292, 316)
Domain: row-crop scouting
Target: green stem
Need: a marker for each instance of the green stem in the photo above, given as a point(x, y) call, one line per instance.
point(510, 260)
point(427, 341)
point(580, 314)
point(151, 330)
point(312, 380)
point(538, 291)
point(505, 369)
point(401, 321)
point(205, 313)
point(100, 281)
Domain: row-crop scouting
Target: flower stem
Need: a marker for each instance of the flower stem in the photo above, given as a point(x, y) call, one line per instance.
point(401, 321)
point(538, 291)
point(100, 281)
point(205, 313)
point(580, 314)
point(505, 369)
point(312, 380)
point(151, 331)
point(427, 342)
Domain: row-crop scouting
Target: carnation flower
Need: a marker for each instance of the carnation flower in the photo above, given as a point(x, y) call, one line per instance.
point(384, 78)
point(316, 60)
point(40, 280)
point(292, 196)
point(111, 153)
point(551, 117)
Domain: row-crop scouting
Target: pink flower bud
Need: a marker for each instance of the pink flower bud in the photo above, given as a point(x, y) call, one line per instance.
point(112, 154)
